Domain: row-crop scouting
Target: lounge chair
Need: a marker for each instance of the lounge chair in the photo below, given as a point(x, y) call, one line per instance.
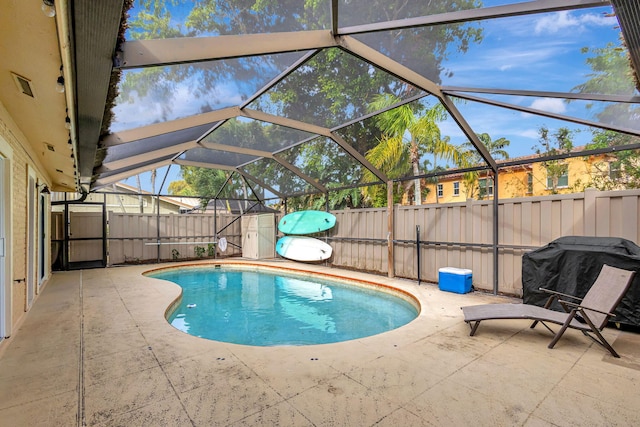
point(594, 309)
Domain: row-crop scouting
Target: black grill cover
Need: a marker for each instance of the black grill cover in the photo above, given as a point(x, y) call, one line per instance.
point(571, 264)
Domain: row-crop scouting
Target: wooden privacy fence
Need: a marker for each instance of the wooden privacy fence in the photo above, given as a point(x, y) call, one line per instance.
point(451, 235)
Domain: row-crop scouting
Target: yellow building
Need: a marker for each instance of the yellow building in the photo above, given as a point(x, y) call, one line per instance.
point(535, 179)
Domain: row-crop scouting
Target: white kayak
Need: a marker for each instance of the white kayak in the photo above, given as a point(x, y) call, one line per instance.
point(301, 248)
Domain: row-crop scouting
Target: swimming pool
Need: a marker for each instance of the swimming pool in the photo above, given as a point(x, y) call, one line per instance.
point(263, 307)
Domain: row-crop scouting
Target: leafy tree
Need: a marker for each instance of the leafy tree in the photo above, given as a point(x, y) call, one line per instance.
point(331, 88)
point(619, 170)
point(552, 144)
point(422, 49)
point(212, 17)
point(612, 75)
point(206, 183)
point(181, 188)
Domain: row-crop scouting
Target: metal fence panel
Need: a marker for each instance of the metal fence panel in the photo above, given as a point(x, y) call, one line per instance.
point(451, 235)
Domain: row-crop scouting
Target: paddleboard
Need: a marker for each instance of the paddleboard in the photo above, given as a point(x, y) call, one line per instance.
point(301, 248)
point(306, 222)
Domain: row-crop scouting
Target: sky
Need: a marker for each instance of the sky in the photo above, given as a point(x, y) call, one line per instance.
point(539, 53)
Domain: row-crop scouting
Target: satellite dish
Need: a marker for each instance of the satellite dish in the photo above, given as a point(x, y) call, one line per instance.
point(222, 244)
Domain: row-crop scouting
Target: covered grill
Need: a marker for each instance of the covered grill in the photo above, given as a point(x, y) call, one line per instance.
point(571, 264)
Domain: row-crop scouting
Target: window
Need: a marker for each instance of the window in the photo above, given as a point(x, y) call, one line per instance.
point(440, 190)
point(456, 188)
point(562, 177)
point(486, 187)
point(529, 182)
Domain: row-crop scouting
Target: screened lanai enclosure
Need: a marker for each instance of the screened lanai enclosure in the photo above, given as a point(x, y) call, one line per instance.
point(441, 133)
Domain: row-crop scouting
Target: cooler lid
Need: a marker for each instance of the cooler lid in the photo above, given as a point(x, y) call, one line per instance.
point(453, 270)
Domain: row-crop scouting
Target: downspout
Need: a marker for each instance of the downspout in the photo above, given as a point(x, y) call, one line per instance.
point(83, 195)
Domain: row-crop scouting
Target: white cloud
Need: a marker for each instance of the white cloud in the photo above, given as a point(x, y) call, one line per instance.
point(551, 105)
point(529, 133)
point(599, 20)
point(565, 20)
point(181, 102)
point(133, 114)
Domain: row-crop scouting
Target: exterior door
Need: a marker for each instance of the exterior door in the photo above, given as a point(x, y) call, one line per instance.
point(3, 249)
point(31, 240)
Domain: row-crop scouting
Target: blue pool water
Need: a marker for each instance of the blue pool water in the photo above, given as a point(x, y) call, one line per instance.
point(243, 306)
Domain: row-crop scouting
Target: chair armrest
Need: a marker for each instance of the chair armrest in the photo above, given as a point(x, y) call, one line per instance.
point(560, 294)
point(578, 306)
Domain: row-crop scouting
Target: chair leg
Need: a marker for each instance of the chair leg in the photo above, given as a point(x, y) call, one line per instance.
point(473, 327)
point(564, 327)
point(600, 340)
point(546, 305)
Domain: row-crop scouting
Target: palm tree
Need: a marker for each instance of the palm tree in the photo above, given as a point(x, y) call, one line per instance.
point(495, 148)
point(406, 136)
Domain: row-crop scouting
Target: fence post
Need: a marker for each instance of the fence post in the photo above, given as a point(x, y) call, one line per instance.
point(496, 237)
point(391, 271)
point(158, 225)
point(418, 250)
point(215, 227)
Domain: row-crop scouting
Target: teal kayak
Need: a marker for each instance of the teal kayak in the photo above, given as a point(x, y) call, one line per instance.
point(306, 222)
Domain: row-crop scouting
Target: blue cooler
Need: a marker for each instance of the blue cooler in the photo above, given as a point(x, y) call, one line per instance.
point(456, 280)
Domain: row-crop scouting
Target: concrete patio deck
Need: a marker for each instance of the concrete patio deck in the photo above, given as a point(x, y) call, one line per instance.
point(96, 350)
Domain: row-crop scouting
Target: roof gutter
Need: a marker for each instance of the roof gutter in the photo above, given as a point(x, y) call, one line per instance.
point(65, 40)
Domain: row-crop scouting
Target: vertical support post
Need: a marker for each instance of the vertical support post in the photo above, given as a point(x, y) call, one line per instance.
point(104, 230)
point(496, 236)
point(418, 250)
point(326, 233)
point(391, 271)
point(158, 227)
point(65, 245)
point(215, 227)
point(158, 212)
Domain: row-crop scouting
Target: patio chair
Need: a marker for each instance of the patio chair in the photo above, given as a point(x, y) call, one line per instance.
point(589, 314)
